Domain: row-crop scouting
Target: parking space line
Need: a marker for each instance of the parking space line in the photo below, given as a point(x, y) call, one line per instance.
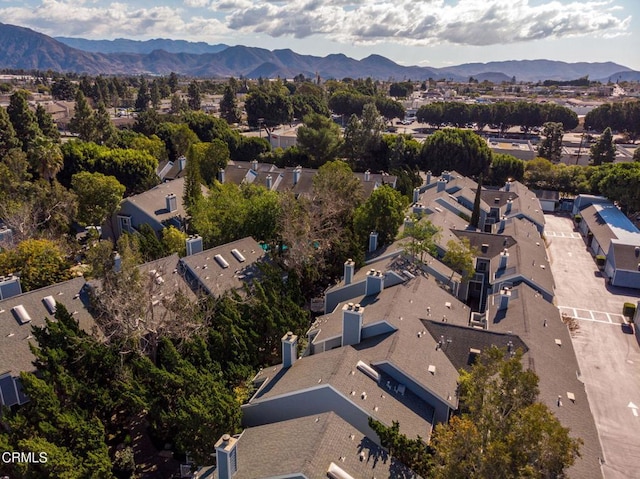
point(592, 315)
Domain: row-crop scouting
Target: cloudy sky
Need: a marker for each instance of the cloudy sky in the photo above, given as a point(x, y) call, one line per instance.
point(411, 32)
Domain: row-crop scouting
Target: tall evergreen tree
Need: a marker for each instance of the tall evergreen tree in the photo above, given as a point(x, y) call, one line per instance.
point(229, 106)
point(46, 124)
point(603, 150)
point(23, 119)
point(105, 130)
point(194, 99)
point(83, 122)
point(144, 97)
point(8, 139)
point(192, 182)
point(475, 215)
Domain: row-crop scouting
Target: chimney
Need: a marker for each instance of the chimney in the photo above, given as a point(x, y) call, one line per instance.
point(226, 457)
point(509, 205)
point(351, 323)
point(182, 163)
point(367, 175)
point(429, 177)
point(194, 244)
point(171, 202)
point(373, 241)
point(507, 186)
point(117, 262)
point(269, 182)
point(349, 268)
point(442, 184)
point(503, 223)
point(221, 173)
point(504, 259)
point(289, 349)
point(416, 195)
point(297, 171)
point(375, 283)
point(447, 176)
point(254, 165)
point(408, 223)
point(505, 295)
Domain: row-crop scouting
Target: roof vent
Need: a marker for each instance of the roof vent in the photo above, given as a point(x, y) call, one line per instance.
point(21, 313)
point(50, 303)
point(221, 261)
point(238, 255)
point(368, 370)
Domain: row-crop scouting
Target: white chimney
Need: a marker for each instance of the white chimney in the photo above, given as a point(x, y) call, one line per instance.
point(349, 268)
point(408, 223)
point(254, 165)
point(509, 205)
point(416, 195)
point(373, 241)
point(505, 295)
point(289, 349)
point(221, 173)
point(447, 176)
point(374, 283)
point(367, 175)
point(269, 182)
point(504, 259)
point(182, 163)
point(194, 244)
point(442, 184)
point(171, 202)
point(297, 171)
point(351, 323)
point(226, 457)
point(429, 177)
point(507, 186)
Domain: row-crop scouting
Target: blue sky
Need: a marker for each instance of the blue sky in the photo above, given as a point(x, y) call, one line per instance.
point(412, 32)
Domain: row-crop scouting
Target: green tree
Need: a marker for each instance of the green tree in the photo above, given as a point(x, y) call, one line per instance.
point(194, 99)
point(505, 167)
point(83, 122)
point(172, 81)
point(41, 262)
point(454, 149)
point(63, 89)
point(475, 215)
point(144, 97)
point(212, 157)
point(149, 245)
point(604, 149)
point(460, 258)
point(174, 240)
point(177, 137)
point(502, 431)
point(192, 183)
point(551, 146)
point(268, 106)
point(229, 109)
point(319, 138)
point(8, 139)
point(105, 130)
point(382, 212)
point(413, 453)
point(24, 121)
point(422, 235)
point(98, 196)
point(154, 94)
point(46, 124)
point(45, 157)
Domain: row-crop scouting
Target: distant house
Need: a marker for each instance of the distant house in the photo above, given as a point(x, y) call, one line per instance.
point(159, 207)
point(18, 314)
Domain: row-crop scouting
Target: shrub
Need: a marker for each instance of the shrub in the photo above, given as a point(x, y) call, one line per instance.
point(601, 260)
point(629, 310)
point(577, 219)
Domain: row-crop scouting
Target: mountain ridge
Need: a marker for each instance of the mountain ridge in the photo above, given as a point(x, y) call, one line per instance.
point(23, 48)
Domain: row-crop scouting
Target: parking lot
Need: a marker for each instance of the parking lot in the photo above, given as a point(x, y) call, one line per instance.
point(607, 349)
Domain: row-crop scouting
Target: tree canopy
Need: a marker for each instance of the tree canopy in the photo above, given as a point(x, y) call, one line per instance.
point(454, 149)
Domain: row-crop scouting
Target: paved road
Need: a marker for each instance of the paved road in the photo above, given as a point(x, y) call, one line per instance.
point(607, 350)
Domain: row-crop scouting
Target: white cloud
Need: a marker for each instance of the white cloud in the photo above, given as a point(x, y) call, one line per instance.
point(72, 18)
point(465, 22)
point(356, 22)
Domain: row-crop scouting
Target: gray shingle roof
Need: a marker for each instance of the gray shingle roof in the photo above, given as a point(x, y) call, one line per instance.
point(308, 445)
point(153, 201)
point(202, 270)
point(15, 337)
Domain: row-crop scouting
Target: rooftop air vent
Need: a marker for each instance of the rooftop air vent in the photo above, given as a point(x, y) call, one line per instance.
point(50, 303)
point(221, 261)
point(21, 313)
point(238, 255)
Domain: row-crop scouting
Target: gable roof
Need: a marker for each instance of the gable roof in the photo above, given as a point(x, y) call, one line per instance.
point(202, 270)
point(153, 202)
point(308, 445)
point(16, 336)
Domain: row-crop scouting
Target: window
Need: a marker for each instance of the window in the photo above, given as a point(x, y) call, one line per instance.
point(124, 224)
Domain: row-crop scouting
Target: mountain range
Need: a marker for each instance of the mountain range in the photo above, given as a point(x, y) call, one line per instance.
point(23, 48)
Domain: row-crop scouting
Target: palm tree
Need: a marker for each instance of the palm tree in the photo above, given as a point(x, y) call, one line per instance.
point(45, 157)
